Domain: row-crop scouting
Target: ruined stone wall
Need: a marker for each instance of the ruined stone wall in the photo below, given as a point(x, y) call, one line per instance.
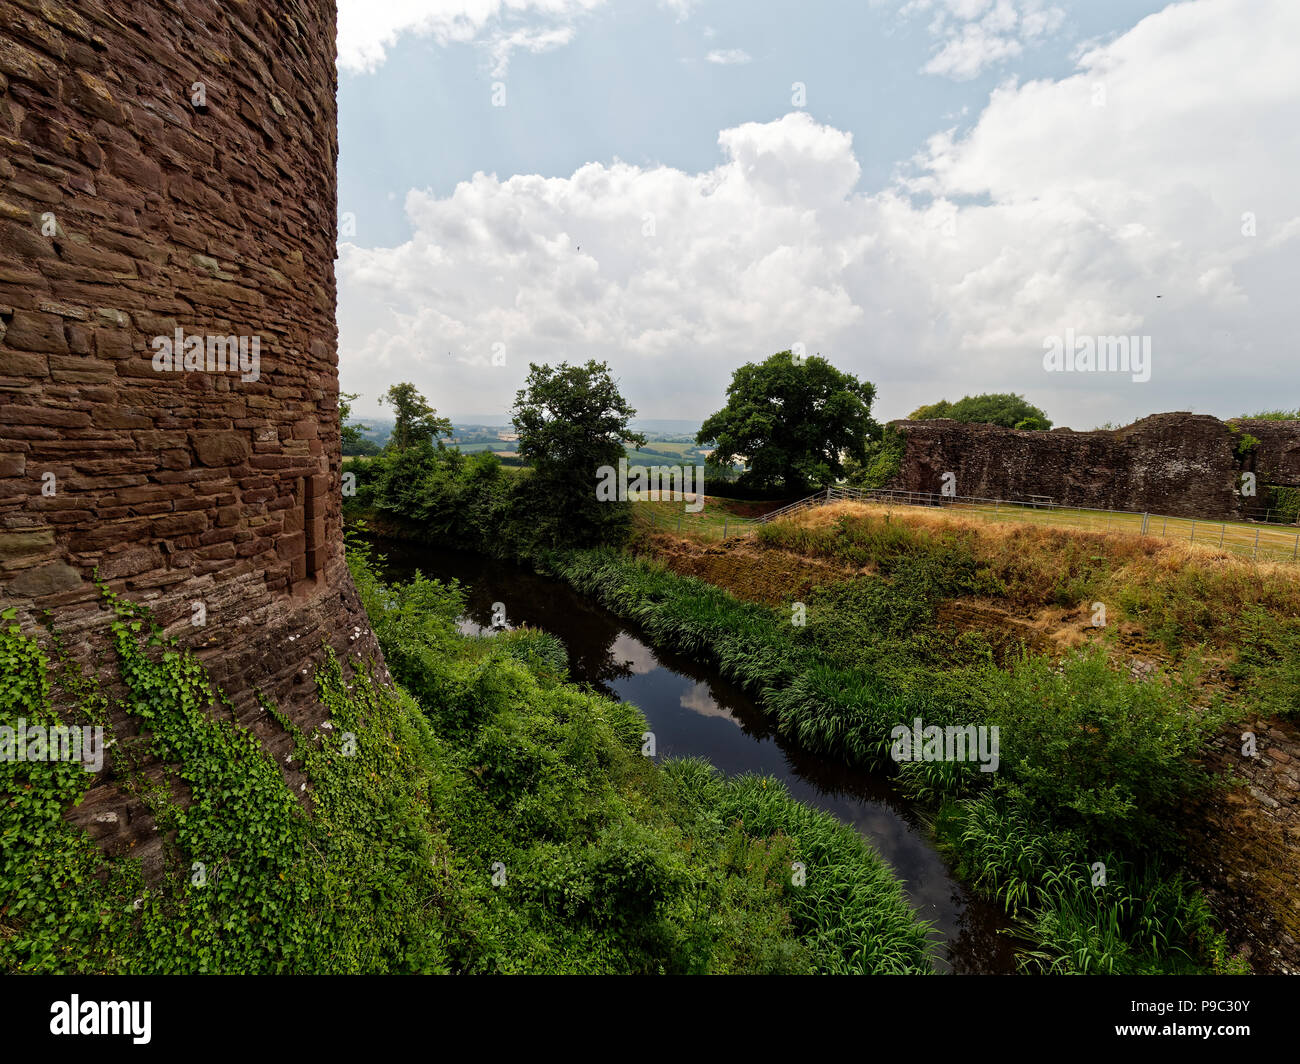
point(165, 165)
point(1276, 460)
point(1244, 842)
point(1179, 464)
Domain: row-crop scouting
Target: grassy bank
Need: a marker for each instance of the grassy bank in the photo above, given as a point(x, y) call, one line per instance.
point(482, 816)
point(1072, 833)
point(1075, 831)
point(1196, 606)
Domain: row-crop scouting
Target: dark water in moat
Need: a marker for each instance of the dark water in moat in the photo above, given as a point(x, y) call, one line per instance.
point(695, 712)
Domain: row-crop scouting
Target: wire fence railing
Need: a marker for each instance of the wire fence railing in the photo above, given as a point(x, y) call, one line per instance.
point(1256, 538)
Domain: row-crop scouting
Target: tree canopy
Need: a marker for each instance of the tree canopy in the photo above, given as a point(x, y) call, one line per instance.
point(572, 420)
point(352, 435)
point(416, 421)
point(793, 421)
point(992, 408)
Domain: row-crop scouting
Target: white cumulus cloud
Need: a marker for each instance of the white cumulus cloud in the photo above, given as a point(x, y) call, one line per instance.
point(729, 56)
point(1053, 212)
point(977, 34)
point(367, 29)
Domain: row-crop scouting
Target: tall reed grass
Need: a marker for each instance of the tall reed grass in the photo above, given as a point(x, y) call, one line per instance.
point(1092, 762)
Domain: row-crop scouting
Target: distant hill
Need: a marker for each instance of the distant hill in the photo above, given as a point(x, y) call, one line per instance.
point(666, 426)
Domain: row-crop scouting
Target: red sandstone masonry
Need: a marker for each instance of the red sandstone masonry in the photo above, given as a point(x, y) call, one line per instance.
point(125, 213)
point(1179, 464)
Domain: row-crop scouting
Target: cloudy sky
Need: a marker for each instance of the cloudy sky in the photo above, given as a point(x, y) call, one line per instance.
point(925, 192)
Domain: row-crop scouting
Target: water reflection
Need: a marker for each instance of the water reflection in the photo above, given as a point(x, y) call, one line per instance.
point(695, 712)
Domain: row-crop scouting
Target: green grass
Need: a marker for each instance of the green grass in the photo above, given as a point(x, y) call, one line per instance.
point(714, 522)
point(482, 817)
point(1094, 765)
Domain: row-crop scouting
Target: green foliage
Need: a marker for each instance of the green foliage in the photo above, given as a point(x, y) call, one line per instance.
point(791, 421)
point(1090, 911)
point(251, 883)
point(612, 864)
point(1268, 663)
point(1271, 415)
point(851, 916)
point(1285, 504)
point(1091, 762)
point(880, 463)
point(54, 909)
point(416, 422)
point(1005, 409)
point(1246, 444)
point(467, 502)
point(572, 422)
point(607, 863)
point(1091, 751)
point(352, 435)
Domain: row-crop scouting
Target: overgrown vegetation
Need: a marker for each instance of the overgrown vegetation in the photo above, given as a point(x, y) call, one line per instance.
point(791, 418)
point(880, 463)
point(484, 816)
point(1193, 606)
point(1003, 408)
point(1094, 765)
point(572, 422)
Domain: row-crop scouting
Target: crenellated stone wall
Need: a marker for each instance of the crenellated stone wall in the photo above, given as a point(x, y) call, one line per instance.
point(1179, 464)
point(169, 165)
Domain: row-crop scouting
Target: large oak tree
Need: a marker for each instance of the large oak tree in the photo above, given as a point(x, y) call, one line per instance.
point(793, 421)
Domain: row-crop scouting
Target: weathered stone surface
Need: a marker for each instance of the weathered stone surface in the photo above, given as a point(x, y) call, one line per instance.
point(163, 217)
point(22, 543)
point(1178, 464)
point(36, 332)
point(221, 448)
point(46, 580)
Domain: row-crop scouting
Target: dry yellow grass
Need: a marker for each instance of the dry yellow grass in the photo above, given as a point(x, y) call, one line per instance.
point(1197, 591)
point(1009, 523)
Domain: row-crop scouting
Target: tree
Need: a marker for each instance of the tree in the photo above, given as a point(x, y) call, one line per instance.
point(416, 421)
point(352, 435)
point(792, 421)
point(942, 408)
point(1009, 411)
point(571, 421)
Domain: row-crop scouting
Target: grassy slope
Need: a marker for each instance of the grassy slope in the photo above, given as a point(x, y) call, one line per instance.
point(483, 817)
point(1095, 764)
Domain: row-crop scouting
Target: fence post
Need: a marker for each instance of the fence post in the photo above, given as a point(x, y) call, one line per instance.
point(724, 528)
point(1256, 554)
point(1297, 548)
point(679, 523)
point(1164, 527)
point(1145, 518)
point(1193, 539)
point(1222, 529)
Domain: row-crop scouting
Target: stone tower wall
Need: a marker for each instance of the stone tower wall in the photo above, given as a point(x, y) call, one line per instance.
point(169, 165)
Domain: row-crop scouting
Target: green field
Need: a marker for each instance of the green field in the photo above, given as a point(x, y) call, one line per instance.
point(713, 522)
point(474, 448)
